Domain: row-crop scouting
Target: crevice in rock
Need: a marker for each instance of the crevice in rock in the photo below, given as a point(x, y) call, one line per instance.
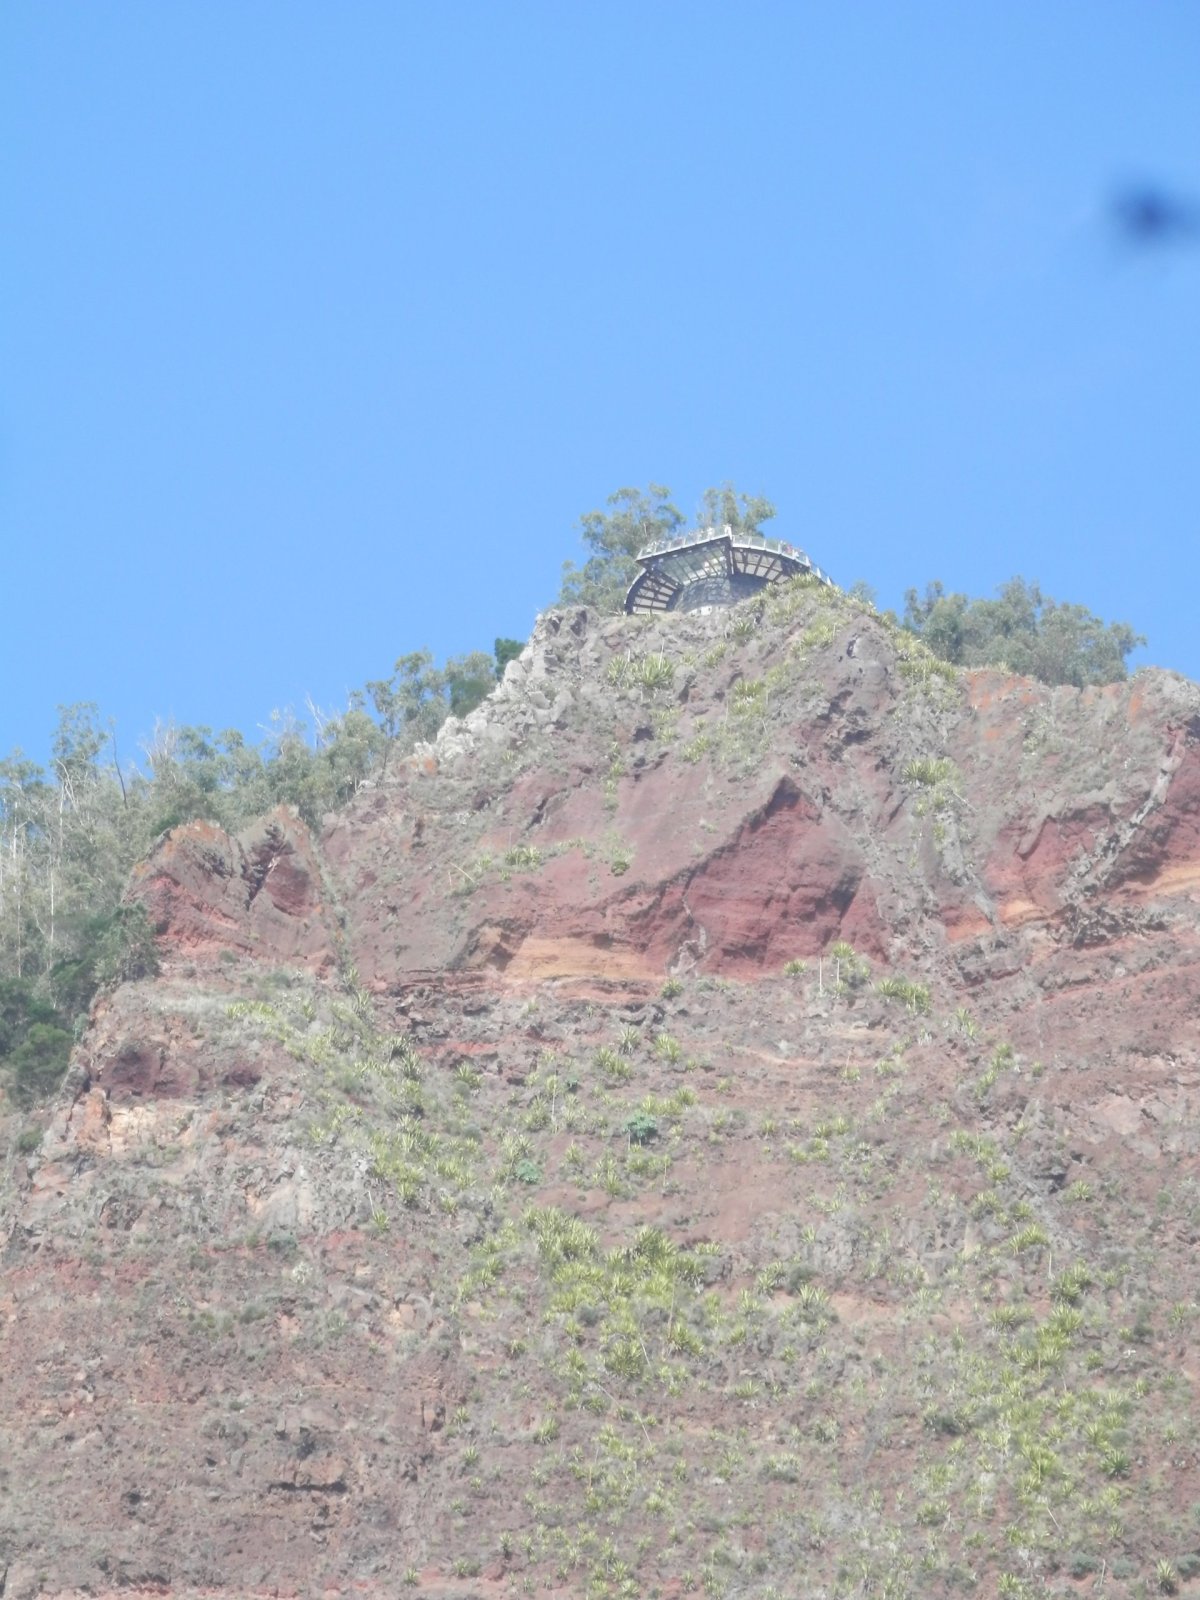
point(338, 1486)
point(259, 866)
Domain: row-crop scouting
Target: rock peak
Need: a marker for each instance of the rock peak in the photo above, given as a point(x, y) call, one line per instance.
point(726, 1106)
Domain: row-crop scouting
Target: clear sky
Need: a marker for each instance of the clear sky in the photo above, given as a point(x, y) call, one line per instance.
point(322, 324)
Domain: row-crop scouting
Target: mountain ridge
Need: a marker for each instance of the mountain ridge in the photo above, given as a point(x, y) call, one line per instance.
point(745, 1055)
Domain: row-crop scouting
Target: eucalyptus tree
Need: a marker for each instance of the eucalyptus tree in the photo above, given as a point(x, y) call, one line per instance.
point(635, 518)
point(1024, 630)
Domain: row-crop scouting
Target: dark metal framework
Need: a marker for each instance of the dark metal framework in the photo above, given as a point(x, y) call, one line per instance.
point(713, 568)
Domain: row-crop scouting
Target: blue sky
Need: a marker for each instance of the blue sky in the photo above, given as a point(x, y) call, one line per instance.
point(321, 325)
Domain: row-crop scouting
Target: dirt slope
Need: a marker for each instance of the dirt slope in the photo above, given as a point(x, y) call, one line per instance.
point(723, 1119)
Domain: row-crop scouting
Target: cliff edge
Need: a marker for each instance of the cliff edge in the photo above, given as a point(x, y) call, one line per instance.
point(727, 1109)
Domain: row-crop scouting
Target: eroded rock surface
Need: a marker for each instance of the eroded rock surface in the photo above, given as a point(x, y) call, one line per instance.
point(209, 894)
point(846, 1006)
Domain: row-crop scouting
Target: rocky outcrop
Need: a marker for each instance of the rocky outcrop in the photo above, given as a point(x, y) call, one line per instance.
point(259, 894)
point(771, 801)
point(751, 941)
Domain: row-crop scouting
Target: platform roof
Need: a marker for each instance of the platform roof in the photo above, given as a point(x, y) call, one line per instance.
point(712, 566)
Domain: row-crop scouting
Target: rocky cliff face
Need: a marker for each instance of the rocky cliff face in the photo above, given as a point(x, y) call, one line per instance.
point(724, 1117)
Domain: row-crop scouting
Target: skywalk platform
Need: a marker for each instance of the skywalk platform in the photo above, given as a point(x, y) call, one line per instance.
point(713, 567)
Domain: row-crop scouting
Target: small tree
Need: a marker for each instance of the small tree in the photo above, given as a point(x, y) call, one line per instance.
point(411, 704)
point(634, 520)
point(469, 681)
point(725, 507)
point(506, 650)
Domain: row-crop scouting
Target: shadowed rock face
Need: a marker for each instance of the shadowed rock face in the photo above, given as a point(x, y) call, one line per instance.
point(277, 1317)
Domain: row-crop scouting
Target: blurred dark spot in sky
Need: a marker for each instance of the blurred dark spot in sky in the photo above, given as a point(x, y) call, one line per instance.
point(1150, 216)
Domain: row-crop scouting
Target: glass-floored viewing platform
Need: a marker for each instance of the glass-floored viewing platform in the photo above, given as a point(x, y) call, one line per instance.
point(713, 567)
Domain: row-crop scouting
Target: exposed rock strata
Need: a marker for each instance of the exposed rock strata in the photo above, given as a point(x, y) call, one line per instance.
point(235, 1363)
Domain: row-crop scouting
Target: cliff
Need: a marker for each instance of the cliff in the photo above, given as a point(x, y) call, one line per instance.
point(723, 1117)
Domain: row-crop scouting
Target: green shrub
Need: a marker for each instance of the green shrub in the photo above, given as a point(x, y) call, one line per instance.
point(643, 672)
point(524, 857)
point(749, 698)
point(36, 1067)
point(1069, 1285)
point(929, 771)
point(914, 996)
point(850, 970)
point(641, 1128)
point(612, 1065)
point(1031, 1237)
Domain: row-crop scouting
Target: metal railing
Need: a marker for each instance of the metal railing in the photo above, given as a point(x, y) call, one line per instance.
point(753, 541)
